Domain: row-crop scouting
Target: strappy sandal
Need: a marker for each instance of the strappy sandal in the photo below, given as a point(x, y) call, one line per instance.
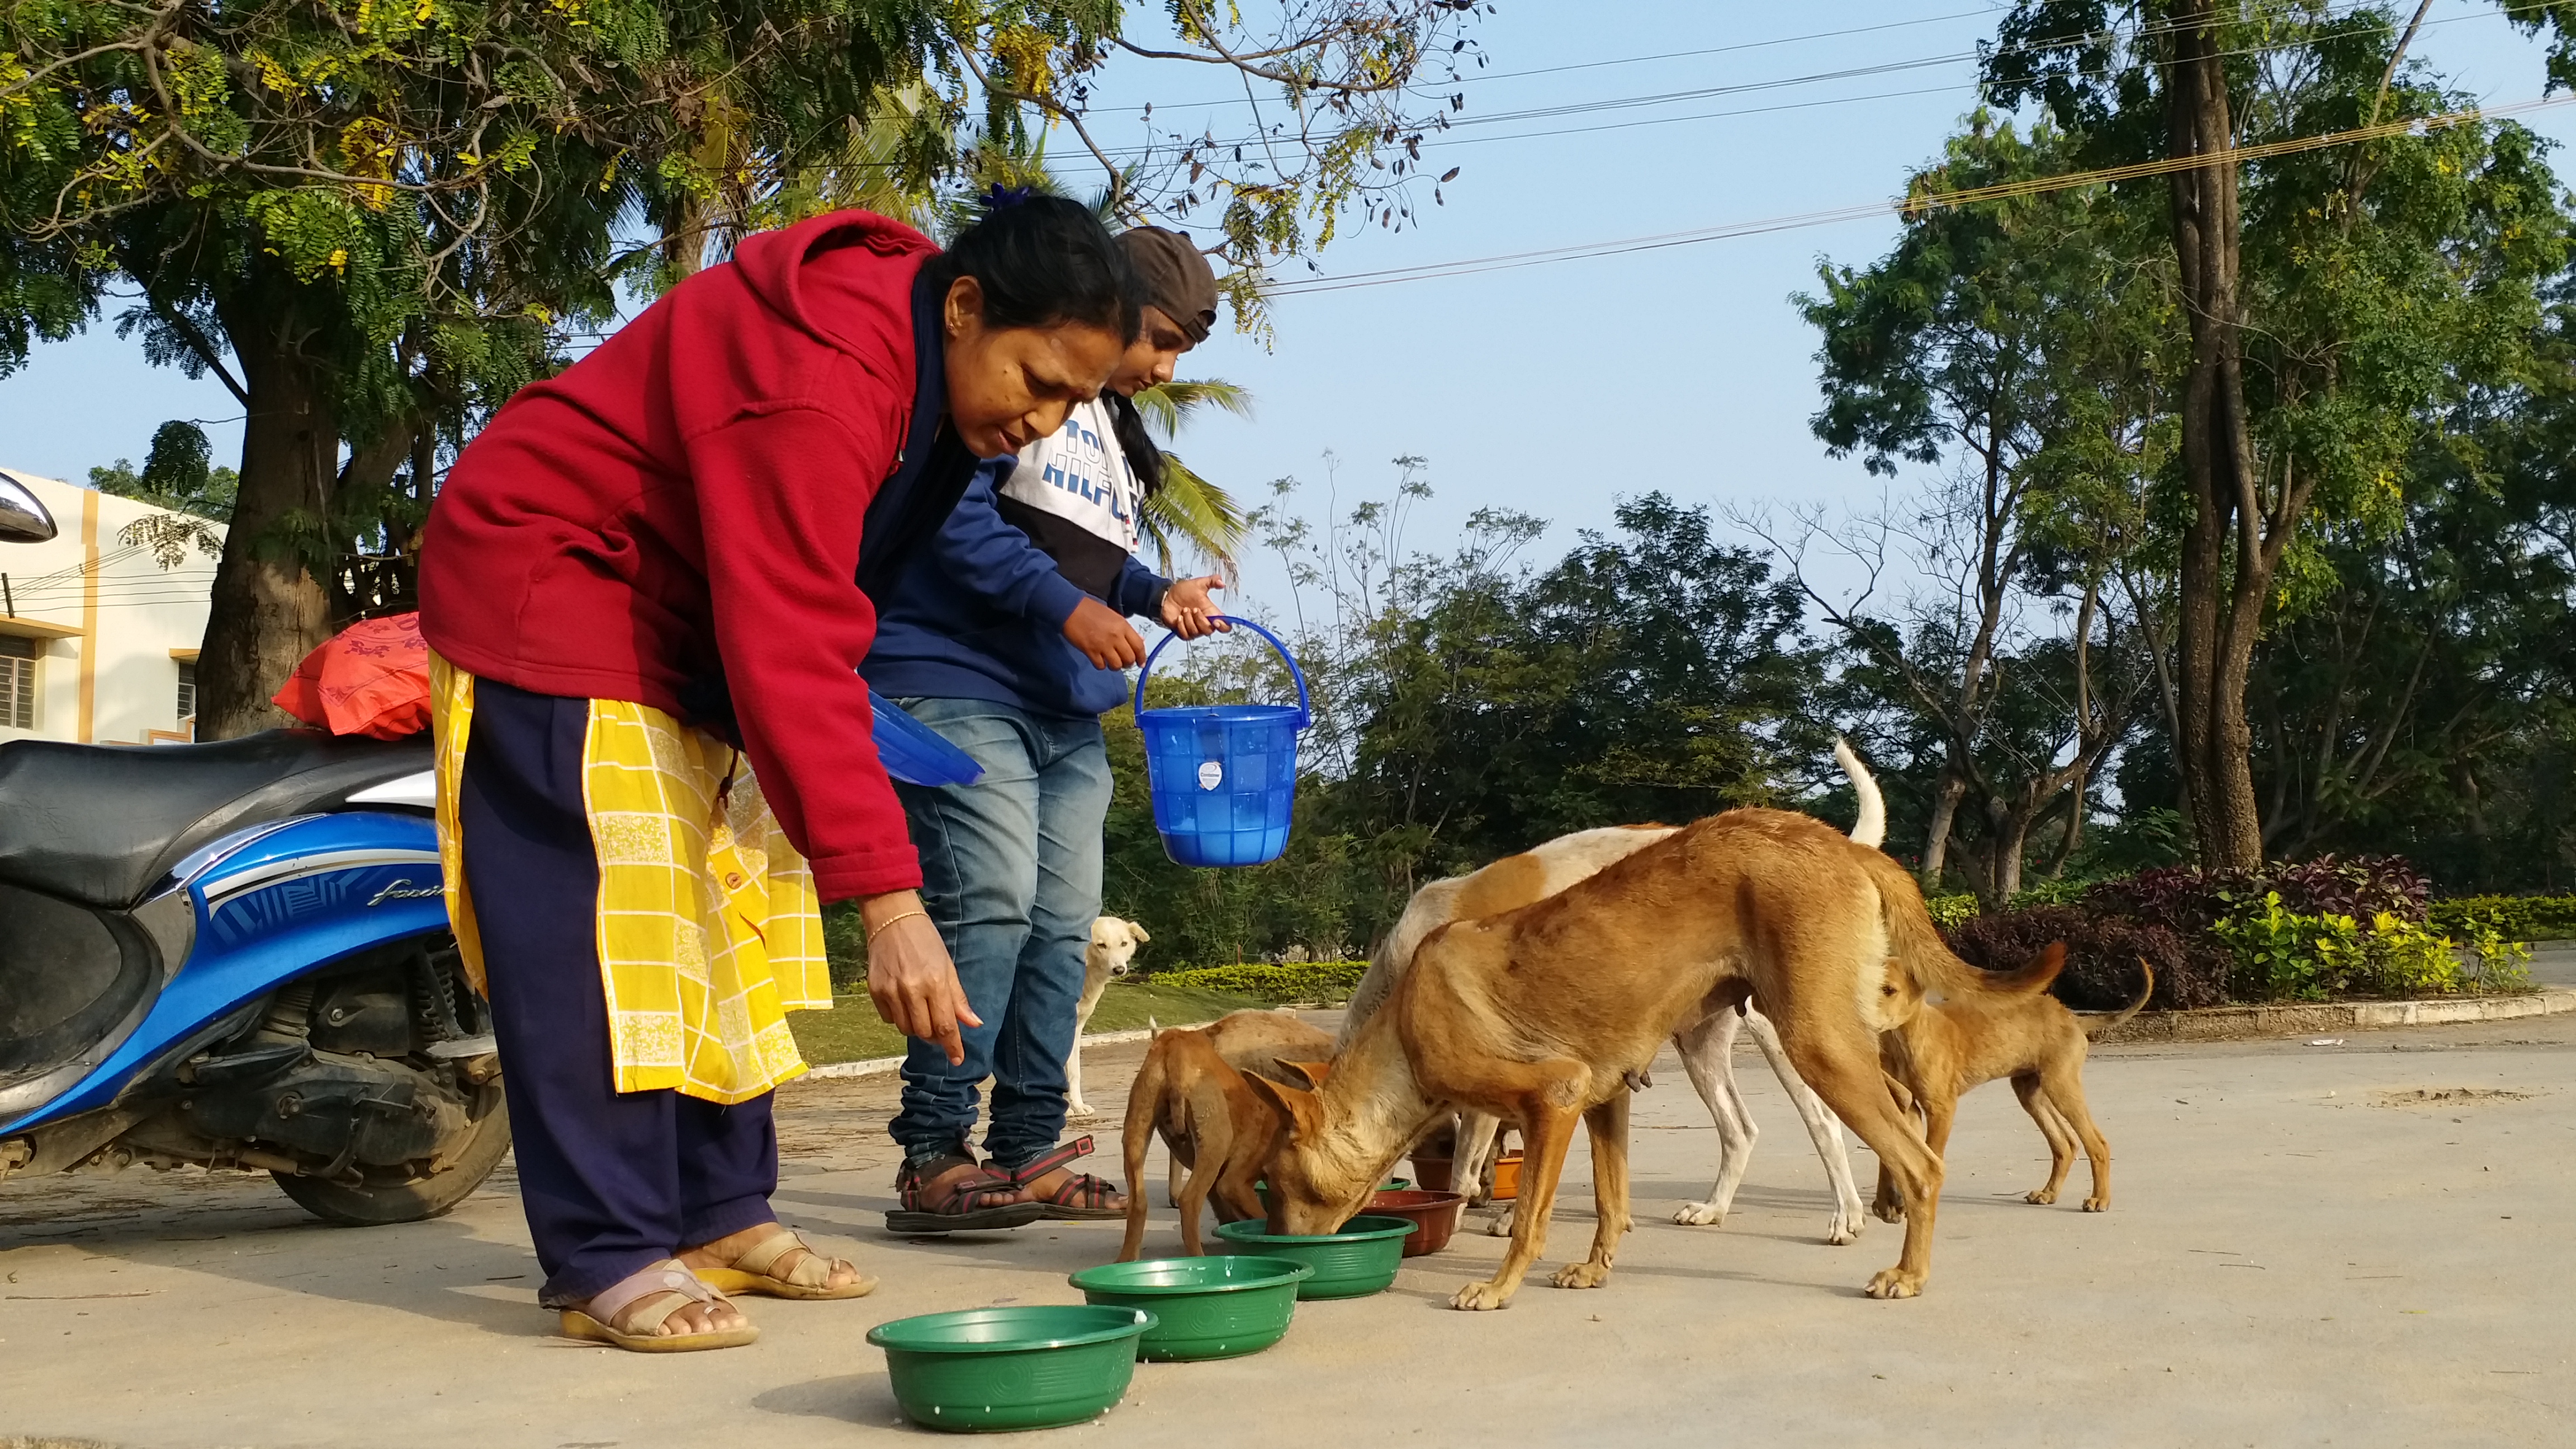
point(977, 1203)
point(630, 1312)
point(755, 1271)
point(1081, 1197)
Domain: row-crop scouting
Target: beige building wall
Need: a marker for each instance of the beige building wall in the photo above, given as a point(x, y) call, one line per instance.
point(113, 632)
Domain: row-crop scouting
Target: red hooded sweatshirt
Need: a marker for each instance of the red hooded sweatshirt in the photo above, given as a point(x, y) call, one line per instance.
point(683, 507)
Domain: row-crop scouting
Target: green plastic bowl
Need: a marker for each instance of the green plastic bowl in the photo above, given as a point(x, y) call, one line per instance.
point(1203, 1307)
point(1261, 1186)
point(1032, 1367)
point(1359, 1260)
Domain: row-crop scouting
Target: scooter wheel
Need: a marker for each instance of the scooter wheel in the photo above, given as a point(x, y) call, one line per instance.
point(421, 1197)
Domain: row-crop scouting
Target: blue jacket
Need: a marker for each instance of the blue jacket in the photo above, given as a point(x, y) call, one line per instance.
point(979, 614)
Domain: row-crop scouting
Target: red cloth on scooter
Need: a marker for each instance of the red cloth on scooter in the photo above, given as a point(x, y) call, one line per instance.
point(372, 679)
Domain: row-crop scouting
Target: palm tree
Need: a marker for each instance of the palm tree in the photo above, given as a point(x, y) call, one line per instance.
point(1189, 508)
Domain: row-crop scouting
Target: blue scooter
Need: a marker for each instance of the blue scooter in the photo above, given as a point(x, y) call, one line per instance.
point(237, 955)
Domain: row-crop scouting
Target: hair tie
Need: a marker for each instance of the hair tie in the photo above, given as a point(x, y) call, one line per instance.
point(1002, 197)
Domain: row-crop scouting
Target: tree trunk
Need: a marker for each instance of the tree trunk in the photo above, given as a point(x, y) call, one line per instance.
point(2215, 639)
point(266, 610)
point(2011, 831)
point(1936, 840)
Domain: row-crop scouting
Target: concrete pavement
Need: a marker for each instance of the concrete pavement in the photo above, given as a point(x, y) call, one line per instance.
point(2355, 1244)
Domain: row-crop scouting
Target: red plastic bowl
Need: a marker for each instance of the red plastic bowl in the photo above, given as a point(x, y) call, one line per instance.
point(1435, 1213)
point(1434, 1173)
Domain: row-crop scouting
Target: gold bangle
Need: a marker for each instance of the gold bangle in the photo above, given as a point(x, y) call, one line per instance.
point(897, 916)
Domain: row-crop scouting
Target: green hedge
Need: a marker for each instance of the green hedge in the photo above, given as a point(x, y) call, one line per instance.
point(1330, 981)
point(2516, 918)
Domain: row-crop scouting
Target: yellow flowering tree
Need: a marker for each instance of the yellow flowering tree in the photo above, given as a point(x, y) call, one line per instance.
point(373, 220)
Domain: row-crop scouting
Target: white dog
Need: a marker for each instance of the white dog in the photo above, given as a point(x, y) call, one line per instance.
point(1113, 945)
point(1707, 1049)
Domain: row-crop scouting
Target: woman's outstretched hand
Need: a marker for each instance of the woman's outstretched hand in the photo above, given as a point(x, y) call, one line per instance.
point(910, 977)
point(1189, 612)
point(1107, 640)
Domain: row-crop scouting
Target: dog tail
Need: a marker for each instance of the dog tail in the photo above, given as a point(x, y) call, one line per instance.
point(1144, 1099)
point(1917, 943)
point(1871, 828)
point(2100, 1027)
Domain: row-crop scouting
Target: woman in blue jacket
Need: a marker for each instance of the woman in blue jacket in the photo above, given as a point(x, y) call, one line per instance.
point(1009, 636)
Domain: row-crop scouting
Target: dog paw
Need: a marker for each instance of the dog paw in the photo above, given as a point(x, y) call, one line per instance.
point(1480, 1297)
point(1700, 1215)
point(1889, 1212)
point(1501, 1225)
point(1895, 1283)
point(2040, 1195)
point(2097, 1204)
point(1844, 1229)
point(1581, 1275)
point(1080, 1112)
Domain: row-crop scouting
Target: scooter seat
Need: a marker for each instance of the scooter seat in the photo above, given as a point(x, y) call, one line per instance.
point(100, 824)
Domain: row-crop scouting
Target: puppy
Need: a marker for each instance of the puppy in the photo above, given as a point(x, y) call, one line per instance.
point(1192, 1092)
point(1963, 1042)
point(1113, 945)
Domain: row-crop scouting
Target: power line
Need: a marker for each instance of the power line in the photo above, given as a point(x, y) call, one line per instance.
point(2237, 155)
point(1447, 137)
point(1495, 75)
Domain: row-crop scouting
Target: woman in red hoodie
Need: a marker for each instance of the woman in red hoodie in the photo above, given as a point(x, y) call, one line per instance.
point(644, 586)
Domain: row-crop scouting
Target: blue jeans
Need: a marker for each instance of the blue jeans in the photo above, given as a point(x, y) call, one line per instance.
point(1010, 870)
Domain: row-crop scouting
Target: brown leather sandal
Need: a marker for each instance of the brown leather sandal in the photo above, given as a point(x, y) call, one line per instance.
point(980, 1201)
point(1081, 1197)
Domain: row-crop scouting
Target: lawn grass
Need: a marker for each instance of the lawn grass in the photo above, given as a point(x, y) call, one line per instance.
point(850, 1032)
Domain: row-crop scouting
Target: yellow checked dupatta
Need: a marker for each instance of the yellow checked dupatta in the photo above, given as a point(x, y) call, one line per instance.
point(709, 933)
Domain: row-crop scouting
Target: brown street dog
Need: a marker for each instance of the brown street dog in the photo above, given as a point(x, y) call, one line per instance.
point(1193, 1091)
point(1953, 1045)
point(1539, 1015)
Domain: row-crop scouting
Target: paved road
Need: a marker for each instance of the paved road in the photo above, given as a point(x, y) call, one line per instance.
point(2363, 1245)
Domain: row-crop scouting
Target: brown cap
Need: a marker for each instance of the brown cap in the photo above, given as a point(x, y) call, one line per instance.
point(1176, 278)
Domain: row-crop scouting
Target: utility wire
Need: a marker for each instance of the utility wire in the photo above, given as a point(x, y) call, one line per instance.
point(1915, 205)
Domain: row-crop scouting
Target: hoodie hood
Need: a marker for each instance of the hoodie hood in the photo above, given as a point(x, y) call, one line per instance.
point(792, 273)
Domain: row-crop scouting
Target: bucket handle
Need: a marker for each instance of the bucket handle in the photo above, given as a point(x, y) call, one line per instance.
point(1305, 707)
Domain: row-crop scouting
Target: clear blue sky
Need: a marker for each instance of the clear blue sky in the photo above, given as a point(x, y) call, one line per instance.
point(1551, 389)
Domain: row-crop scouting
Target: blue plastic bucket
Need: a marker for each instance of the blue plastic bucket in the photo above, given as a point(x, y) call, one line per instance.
point(1223, 776)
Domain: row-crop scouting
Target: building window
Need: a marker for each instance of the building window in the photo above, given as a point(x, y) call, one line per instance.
point(187, 689)
point(17, 682)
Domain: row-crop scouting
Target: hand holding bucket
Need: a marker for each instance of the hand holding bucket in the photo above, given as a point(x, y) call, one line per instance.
point(1223, 776)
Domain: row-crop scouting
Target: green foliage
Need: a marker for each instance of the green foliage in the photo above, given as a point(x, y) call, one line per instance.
point(1327, 982)
point(2061, 892)
point(1189, 509)
point(2021, 349)
point(2282, 955)
point(177, 474)
point(2510, 918)
point(1951, 908)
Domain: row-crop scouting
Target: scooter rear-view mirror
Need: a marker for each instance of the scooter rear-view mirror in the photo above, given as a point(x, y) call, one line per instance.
point(23, 519)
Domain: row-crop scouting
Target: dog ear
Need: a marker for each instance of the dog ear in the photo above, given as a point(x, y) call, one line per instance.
point(1137, 930)
point(1313, 1072)
point(1295, 1104)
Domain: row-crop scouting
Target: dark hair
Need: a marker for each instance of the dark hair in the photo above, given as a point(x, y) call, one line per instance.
point(1142, 456)
point(1043, 261)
